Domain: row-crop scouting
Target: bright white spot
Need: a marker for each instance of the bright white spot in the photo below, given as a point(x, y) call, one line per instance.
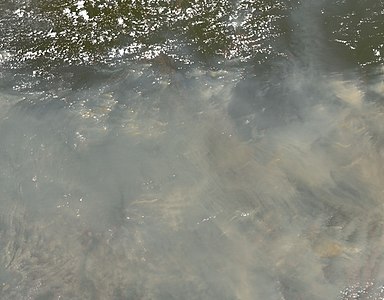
point(80, 4)
point(84, 14)
point(206, 219)
point(120, 21)
point(189, 11)
point(235, 24)
point(4, 56)
point(66, 11)
point(19, 12)
point(52, 34)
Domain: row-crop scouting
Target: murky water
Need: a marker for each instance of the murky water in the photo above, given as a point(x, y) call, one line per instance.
point(189, 174)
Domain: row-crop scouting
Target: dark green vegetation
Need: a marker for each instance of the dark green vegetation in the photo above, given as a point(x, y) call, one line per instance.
point(359, 25)
point(190, 31)
point(47, 33)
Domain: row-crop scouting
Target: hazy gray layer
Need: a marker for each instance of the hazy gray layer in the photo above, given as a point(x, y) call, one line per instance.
point(197, 186)
point(151, 183)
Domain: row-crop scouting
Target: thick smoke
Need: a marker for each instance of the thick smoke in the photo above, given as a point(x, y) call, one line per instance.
point(260, 182)
point(196, 185)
